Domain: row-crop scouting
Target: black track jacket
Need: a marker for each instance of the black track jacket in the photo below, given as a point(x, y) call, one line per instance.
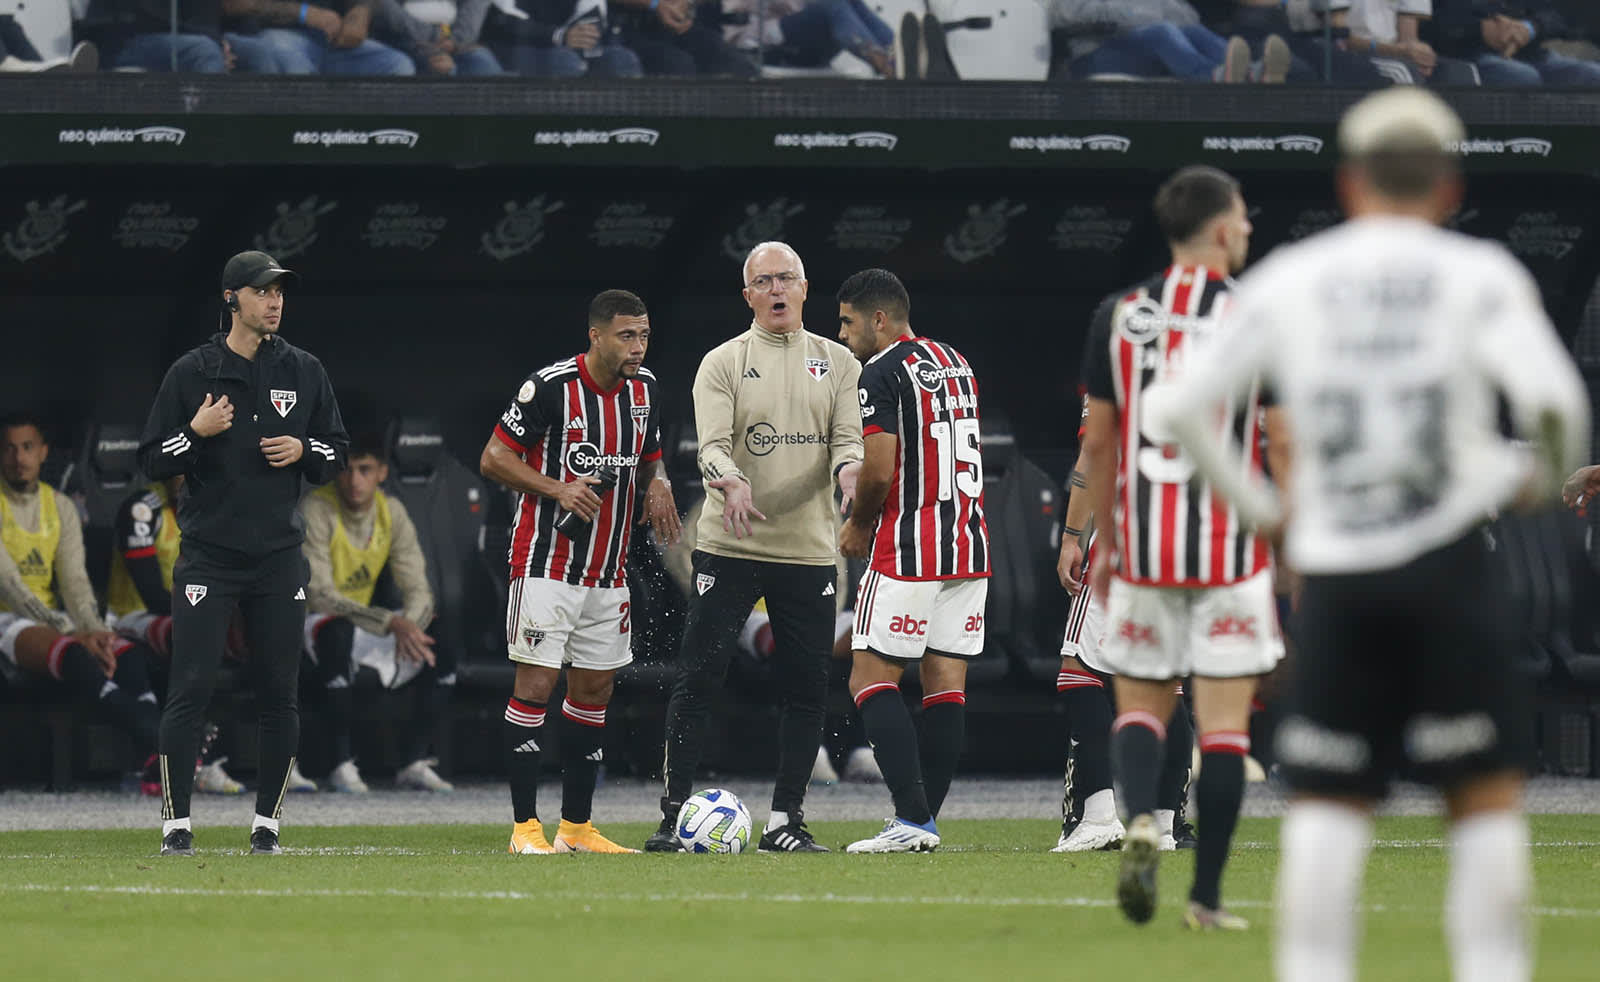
point(234, 499)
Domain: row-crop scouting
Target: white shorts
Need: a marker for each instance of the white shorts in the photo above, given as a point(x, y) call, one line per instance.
point(901, 619)
point(368, 650)
point(1086, 631)
point(551, 623)
point(1158, 633)
point(11, 625)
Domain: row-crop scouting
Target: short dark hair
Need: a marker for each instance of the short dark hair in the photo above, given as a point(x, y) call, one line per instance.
point(614, 303)
point(872, 290)
point(23, 418)
point(368, 443)
point(1191, 198)
point(1407, 174)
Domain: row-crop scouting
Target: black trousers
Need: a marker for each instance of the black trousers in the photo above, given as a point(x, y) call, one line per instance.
point(269, 591)
point(800, 602)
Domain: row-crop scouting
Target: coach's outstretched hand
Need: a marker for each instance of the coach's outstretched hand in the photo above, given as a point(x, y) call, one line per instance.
point(737, 505)
point(661, 512)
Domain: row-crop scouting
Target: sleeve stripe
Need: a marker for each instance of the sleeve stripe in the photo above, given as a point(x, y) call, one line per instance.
point(318, 447)
point(872, 428)
point(144, 553)
point(176, 445)
point(652, 455)
point(506, 439)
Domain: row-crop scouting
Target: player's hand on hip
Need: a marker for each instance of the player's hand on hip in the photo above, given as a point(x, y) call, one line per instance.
point(661, 511)
point(576, 497)
point(1100, 575)
point(1070, 563)
point(848, 475)
point(281, 451)
point(1581, 486)
point(855, 541)
point(737, 506)
point(212, 417)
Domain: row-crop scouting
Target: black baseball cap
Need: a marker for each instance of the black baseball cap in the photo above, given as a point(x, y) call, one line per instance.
point(254, 268)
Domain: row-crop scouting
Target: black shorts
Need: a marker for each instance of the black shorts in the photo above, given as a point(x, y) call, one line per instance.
point(1405, 672)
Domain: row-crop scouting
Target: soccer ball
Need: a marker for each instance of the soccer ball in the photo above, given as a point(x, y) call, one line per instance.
point(714, 820)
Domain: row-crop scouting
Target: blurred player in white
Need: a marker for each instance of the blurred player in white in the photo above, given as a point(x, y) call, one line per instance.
point(1387, 340)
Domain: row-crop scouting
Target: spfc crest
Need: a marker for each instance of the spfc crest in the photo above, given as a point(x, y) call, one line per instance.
point(196, 592)
point(283, 400)
point(533, 637)
point(818, 367)
point(639, 413)
point(703, 582)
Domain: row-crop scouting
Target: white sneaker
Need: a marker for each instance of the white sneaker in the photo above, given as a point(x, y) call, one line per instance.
point(298, 781)
point(862, 766)
point(419, 774)
point(346, 778)
point(822, 771)
point(212, 779)
point(1090, 836)
point(899, 836)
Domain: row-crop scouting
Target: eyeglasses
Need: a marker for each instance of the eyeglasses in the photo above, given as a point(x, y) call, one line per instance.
point(764, 281)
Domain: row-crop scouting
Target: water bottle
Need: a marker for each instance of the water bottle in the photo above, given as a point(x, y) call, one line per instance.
point(573, 525)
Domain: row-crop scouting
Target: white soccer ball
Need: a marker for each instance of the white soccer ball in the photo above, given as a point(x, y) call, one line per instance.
point(714, 820)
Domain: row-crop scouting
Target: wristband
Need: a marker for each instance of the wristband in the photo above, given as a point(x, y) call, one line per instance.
point(1072, 531)
point(305, 8)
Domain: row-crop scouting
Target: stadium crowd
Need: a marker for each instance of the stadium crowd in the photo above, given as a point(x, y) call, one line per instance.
point(1361, 43)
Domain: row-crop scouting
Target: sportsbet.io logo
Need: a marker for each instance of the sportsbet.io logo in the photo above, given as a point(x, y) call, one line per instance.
point(763, 438)
point(583, 459)
point(929, 376)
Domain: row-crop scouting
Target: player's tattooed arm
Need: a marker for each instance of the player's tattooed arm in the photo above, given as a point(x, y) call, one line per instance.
point(872, 489)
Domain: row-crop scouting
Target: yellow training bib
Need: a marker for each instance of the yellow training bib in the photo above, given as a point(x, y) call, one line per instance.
point(34, 552)
point(355, 570)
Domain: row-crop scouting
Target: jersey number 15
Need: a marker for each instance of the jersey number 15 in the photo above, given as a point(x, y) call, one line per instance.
point(960, 460)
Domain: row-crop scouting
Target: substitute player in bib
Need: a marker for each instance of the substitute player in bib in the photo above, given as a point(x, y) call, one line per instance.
point(918, 519)
point(1391, 342)
point(1192, 593)
point(569, 596)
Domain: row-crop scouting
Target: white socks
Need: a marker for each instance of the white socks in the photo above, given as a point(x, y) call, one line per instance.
point(1100, 806)
point(1164, 819)
point(1325, 850)
point(263, 822)
point(1486, 903)
point(777, 821)
point(174, 823)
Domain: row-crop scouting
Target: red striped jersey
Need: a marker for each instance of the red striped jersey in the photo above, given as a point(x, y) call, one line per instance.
point(1171, 530)
point(566, 426)
point(932, 525)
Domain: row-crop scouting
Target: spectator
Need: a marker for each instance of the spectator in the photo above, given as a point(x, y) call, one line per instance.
point(17, 53)
point(441, 36)
point(810, 34)
point(1506, 42)
point(355, 533)
point(1387, 31)
point(308, 39)
point(140, 35)
point(561, 39)
point(1313, 60)
point(1152, 38)
point(42, 571)
point(139, 597)
point(681, 37)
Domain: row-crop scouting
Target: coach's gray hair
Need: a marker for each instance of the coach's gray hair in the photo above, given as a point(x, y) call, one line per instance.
point(751, 255)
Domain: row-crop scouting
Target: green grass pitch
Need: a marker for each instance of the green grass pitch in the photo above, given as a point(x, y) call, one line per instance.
point(444, 902)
